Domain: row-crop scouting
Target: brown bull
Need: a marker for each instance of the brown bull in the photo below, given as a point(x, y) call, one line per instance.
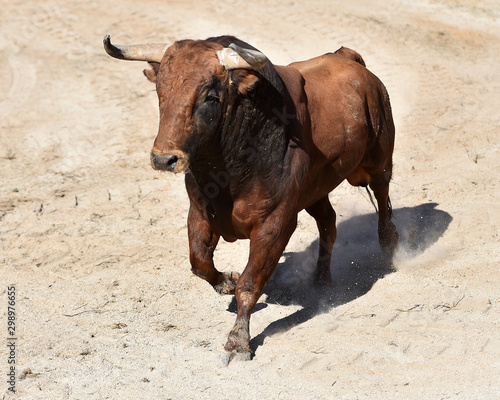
point(258, 143)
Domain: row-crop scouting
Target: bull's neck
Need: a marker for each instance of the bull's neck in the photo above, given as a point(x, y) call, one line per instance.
point(254, 135)
point(252, 143)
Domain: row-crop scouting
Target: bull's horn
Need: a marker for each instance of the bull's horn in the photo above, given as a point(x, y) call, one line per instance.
point(234, 57)
point(152, 52)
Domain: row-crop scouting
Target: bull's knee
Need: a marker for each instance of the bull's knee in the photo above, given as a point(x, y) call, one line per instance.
point(211, 275)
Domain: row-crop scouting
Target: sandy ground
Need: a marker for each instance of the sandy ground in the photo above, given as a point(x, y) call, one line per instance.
point(95, 241)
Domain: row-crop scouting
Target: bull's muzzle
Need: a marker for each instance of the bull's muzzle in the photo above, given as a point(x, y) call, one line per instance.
point(176, 161)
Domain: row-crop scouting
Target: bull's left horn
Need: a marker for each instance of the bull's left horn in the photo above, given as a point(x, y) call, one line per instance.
point(234, 57)
point(152, 52)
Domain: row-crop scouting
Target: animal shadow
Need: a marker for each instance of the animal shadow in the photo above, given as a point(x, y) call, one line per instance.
point(357, 263)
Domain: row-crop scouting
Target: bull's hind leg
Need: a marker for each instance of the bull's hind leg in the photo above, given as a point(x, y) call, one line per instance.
point(387, 233)
point(324, 215)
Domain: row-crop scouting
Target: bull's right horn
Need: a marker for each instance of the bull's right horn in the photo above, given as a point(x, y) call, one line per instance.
point(234, 57)
point(151, 52)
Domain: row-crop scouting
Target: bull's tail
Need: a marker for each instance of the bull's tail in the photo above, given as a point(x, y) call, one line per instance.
point(351, 55)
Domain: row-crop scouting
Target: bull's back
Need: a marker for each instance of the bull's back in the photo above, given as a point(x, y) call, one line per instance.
point(346, 104)
point(338, 92)
point(343, 52)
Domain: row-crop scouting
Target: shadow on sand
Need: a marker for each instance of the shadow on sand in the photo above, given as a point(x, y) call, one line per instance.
point(357, 263)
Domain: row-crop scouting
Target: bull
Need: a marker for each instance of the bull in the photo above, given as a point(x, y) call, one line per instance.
point(258, 143)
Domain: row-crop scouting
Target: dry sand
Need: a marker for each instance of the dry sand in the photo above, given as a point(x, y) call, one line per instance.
point(95, 241)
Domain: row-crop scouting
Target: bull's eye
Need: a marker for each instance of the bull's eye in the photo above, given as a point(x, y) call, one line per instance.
point(212, 96)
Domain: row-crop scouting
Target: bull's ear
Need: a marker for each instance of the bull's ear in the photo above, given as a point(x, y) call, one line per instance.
point(152, 73)
point(245, 79)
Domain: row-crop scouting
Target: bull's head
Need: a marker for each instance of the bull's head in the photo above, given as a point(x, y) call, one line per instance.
point(191, 82)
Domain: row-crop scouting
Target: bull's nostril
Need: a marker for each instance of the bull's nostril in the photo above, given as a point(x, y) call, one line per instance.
point(171, 160)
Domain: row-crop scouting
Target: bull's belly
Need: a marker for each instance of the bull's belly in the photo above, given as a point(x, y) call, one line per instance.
point(315, 192)
point(335, 159)
point(322, 181)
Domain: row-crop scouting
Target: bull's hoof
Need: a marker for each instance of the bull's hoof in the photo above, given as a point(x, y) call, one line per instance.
point(323, 279)
point(227, 283)
point(388, 238)
point(229, 356)
point(238, 340)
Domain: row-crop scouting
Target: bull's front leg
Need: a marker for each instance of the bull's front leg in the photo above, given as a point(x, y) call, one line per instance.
point(266, 247)
point(202, 243)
